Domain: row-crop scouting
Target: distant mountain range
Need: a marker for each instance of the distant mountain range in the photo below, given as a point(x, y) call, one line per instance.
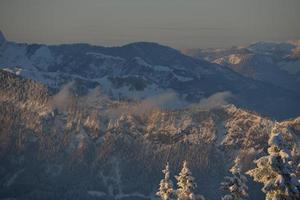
point(140, 70)
point(275, 63)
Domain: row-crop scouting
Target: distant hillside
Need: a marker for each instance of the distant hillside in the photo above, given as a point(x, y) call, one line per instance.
point(141, 70)
point(275, 63)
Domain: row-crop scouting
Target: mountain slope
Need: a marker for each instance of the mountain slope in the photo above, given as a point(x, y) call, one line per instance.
point(275, 63)
point(67, 145)
point(142, 70)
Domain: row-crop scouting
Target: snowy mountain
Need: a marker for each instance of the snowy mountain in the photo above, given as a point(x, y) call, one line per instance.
point(275, 63)
point(89, 122)
point(141, 70)
point(71, 145)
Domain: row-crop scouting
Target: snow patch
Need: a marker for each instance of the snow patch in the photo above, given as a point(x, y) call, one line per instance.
point(140, 61)
point(161, 68)
point(234, 59)
point(125, 91)
point(103, 56)
point(182, 78)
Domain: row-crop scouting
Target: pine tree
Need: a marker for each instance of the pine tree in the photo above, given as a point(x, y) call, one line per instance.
point(166, 191)
point(235, 185)
point(276, 170)
point(186, 185)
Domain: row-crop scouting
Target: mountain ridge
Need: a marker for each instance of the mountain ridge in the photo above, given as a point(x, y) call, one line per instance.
point(78, 145)
point(140, 70)
point(275, 63)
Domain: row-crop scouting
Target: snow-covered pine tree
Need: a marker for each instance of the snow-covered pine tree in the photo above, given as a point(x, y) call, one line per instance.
point(276, 170)
point(166, 191)
point(186, 185)
point(235, 185)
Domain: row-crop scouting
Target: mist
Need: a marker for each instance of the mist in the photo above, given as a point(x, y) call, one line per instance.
point(216, 100)
point(97, 100)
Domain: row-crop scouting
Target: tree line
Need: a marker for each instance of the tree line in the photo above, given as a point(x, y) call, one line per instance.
point(276, 171)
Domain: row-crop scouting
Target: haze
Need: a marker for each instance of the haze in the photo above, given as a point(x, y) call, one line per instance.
point(178, 23)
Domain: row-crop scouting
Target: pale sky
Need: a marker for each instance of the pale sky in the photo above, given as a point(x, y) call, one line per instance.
point(177, 23)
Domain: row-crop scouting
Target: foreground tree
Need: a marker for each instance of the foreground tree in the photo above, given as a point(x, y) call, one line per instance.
point(186, 185)
point(235, 185)
point(166, 191)
point(276, 170)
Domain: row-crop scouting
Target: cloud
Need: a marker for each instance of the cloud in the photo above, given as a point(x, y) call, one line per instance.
point(216, 100)
point(96, 100)
point(63, 98)
point(168, 100)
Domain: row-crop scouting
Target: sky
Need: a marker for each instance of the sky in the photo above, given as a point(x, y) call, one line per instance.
point(177, 23)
